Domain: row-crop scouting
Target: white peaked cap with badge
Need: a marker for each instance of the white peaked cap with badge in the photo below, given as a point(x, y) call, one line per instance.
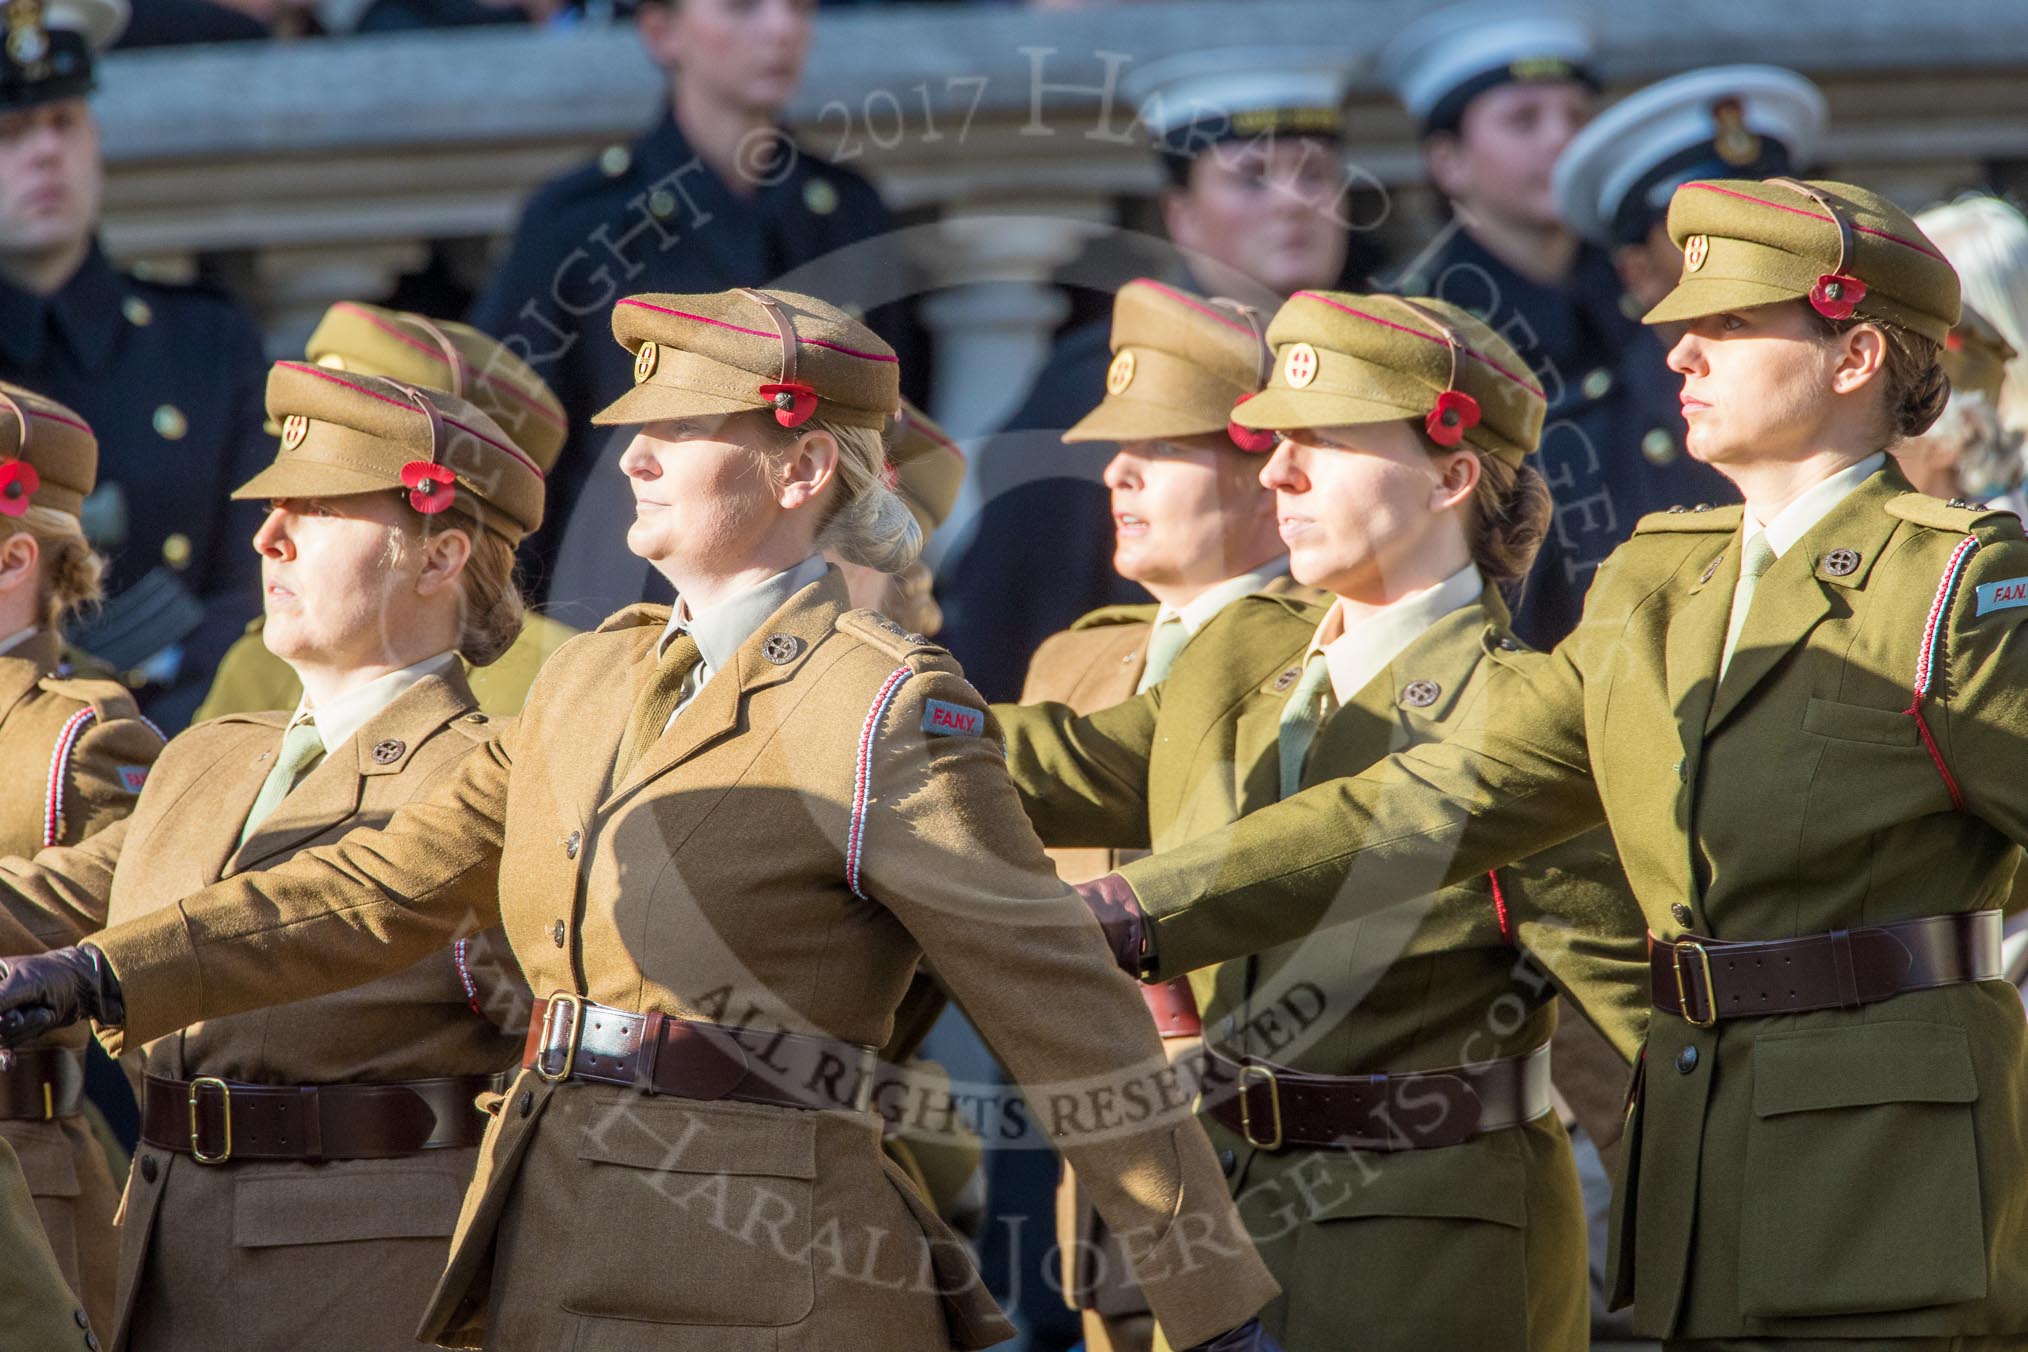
point(1252, 89)
point(1616, 176)
point(1463, 49)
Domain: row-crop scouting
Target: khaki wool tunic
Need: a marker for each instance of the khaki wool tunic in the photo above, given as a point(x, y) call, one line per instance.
point(1475, 1245)
point(339, 1256)
point(828, 810)
point(76, 753)
point(1858, 1174)
point(38, 1310)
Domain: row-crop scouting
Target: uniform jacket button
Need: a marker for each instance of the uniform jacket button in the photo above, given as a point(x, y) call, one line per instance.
point(557, 933)
point(91, 1341)
point(526, 1105)
point(1681, 914)
point(1228, 1161)
point(83, 1322)
point(1686, 1060)
point(149, 1169)
point(571, 843)
point(1682, 767)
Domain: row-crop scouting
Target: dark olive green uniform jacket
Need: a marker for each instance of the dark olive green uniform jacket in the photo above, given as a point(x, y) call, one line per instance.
point(1478, 1245)
point(1858, 1174)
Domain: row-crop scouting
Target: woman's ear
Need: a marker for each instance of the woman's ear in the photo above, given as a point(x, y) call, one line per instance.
point(1860, 358)
point(811, 464)
point(1457, 479)
point(445, 554)
point(20, 557)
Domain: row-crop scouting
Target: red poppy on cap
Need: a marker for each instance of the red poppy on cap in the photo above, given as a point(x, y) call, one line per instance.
point(794, 403)
point(430, 487)
point(1251, 440)
point(1836, 295)
point(18, 481)
point(1455, 413)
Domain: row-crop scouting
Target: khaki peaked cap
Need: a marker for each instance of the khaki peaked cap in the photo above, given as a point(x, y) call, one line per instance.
point(725, 351)
point(1180, 362)
point(440, 354)
point(928, 466)
point(60, 452)
point(1748, 242)
point(1343, 359)
point(1975, 355)
point(344, 433)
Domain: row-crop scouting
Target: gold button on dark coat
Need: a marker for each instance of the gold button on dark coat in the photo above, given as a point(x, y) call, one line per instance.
point(1658, 446)
point(389, 751)
point(170, 423)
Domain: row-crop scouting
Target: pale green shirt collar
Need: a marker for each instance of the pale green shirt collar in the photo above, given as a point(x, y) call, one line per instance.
point(1203, 608)
point(17, 638)
point(347, 714)
point(1358, 653)
point(1793, 522)
point(721, 629)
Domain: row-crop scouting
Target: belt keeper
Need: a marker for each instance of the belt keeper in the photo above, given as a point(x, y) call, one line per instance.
point(1842, 968)
point(313, 1125)
point(649, 1052)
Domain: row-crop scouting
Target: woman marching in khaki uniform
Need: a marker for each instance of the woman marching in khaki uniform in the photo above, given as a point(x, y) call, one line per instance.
point(1193, 525)
point(1410, 1183)
point(1805, 723)
point(432, 354)
point(76, 753)
point(300, 1168)
point(723, 835)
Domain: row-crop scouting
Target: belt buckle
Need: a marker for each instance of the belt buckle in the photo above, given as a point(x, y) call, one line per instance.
point(197, 1088)
point(1676, 951)
point(574, 1003)
point(1267, 1077)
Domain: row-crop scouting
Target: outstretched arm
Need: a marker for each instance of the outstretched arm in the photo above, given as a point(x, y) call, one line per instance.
point(330, 918)
point(1514, 782)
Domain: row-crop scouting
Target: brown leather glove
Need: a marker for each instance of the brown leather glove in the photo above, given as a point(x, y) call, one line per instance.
point(1120, 916)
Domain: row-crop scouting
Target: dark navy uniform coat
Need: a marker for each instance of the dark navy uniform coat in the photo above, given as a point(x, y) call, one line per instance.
point(171, 379)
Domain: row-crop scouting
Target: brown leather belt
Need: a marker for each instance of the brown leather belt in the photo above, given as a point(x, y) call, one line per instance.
point(1704, 980)
point(1173, 1006)
point(41, 1084)
point(571, 1038)
point(214, 1121)
point(1275, 1108)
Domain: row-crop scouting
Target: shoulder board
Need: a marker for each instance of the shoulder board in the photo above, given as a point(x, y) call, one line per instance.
point(875, 628)
point(108, 699)
point(634, 617)
point(1105, 615)
point(1956, 515)
point(1703, 519)
point(477, 726)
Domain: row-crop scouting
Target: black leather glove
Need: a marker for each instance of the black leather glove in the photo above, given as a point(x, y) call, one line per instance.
point(53, 990)
point(1248, 1337)
point(1120, 916)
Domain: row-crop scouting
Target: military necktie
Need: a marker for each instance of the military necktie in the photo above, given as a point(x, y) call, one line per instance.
point(1755, 558)
point(302, 748)
point(1163, 645)
point(1310, 706)
point(657, 701)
